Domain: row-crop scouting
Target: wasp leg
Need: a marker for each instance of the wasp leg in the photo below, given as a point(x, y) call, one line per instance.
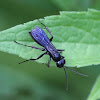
point(47, 30)
point(34, 59)
point(31, 46)
point(49, 62)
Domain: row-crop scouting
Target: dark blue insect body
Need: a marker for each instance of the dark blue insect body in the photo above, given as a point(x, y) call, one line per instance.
point(41, 38)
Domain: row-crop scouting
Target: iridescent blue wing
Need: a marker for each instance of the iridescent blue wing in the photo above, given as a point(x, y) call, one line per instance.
point(39, 36)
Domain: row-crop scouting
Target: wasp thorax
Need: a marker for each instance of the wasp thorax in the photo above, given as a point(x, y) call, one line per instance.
point(57, 57)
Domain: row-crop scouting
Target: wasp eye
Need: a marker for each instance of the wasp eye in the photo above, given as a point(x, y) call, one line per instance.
point(60, 63)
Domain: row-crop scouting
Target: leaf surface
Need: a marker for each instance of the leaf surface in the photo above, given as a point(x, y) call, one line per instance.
point(78, 33)
point(95, 93)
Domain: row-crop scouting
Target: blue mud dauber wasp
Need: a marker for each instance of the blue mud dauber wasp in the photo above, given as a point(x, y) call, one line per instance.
point(41, 38)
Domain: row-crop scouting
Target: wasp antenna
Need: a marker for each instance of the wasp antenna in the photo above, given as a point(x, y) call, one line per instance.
point(66, 79)
point(76, 71)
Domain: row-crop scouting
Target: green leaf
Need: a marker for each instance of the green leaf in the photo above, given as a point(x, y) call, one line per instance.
point(95, 93)
point(78, 33)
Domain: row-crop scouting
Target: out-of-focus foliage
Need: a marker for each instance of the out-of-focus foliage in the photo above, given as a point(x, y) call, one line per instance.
point(95, 93)
point(72, 5)
point(32, 80)
point(16, 85)
point(13, 12)
point(76, 4)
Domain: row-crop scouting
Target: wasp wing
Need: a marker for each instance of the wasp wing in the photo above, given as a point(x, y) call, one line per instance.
point(39, 36)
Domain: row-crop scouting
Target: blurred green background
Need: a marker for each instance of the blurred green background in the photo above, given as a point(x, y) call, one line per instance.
point(31, 80)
